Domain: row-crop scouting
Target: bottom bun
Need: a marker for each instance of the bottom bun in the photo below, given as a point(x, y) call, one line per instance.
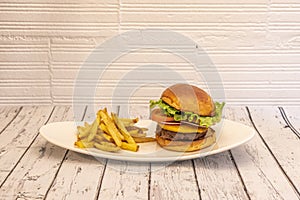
point(187, 146)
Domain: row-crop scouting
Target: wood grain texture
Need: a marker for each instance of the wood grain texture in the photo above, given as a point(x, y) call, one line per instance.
point(218, 177)
point(278, 136)
point(79, 175)
point(37, 168)
point(31, 167)
point(7, 114)
point(18, 136)
point(125, 180)
point(173, 181)
point(259, 170)
point(293, 116)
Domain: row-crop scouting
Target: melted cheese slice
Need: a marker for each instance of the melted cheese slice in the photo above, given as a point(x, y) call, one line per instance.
point(183, 128)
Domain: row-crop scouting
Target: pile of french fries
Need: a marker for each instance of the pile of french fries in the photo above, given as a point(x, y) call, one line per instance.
point(111, 133)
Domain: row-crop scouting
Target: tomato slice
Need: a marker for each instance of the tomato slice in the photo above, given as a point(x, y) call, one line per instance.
point(158, 116)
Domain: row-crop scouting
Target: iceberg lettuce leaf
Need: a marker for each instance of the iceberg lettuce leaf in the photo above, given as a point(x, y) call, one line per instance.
point(206, 121)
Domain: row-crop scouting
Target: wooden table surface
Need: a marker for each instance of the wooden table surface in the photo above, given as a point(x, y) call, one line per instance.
point(267, 167)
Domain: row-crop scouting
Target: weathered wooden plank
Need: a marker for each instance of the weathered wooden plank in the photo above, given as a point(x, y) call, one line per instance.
point(79, 175)
point(259, 171)
point(218, 178)
point(173, 181)
point(7, 114)
point(283, 143)
point(35, 171)
point(125, 180)
point(16, 138)
point(293, 116)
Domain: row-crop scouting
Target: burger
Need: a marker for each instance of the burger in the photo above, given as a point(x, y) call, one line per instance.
point(184, 115)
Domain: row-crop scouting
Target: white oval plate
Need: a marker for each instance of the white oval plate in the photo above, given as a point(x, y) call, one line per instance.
point(229, 134)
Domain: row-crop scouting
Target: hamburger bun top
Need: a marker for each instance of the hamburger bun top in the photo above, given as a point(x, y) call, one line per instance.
point(189, 98)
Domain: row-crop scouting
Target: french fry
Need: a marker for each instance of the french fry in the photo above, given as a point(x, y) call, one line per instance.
point(80, 129)
point(105, 146)
point(79, 144)
point(143, 139)
point(130, 147)
point(108, 137)
point(103, 137)
point(100, 131)
point(82, 132)
point(134, 130)
point(111, 133)
point(144, 129)
point(87, 125)
point(122, 129)
point(98, 117)
point(111, 127)
point(83, 144)
point(108, 144)
point(111, 122)
point(129, 122)
point(99, 138)
point(137, 133)
point(103, 127)
point(93, 131)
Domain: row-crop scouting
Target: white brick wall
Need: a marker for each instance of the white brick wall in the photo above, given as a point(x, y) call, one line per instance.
point(255, 45)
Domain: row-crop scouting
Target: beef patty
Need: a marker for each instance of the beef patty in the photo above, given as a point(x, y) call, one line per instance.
point(177, 136)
